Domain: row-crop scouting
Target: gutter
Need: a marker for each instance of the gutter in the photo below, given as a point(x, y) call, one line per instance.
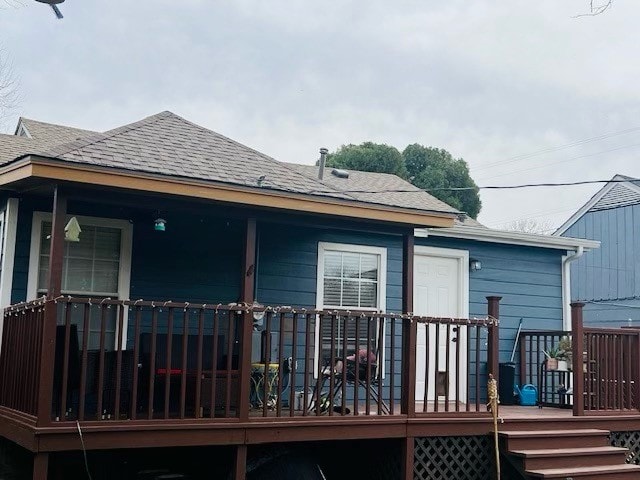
point(566, 286)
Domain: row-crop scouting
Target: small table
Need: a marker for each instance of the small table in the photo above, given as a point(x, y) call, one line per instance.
point(258, 384)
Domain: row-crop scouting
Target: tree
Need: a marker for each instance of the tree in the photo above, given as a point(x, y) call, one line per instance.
point(368, 157)
point(529, 225)
point(435, 170)
point(9, 97)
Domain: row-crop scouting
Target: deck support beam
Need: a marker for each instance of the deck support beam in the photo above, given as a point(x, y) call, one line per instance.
point(247, 295)
point(409, 329)
point(54, 288)
point(577, 354)
point(40, 466)
point(408, 458)
point(240, 463)
point(493, 347)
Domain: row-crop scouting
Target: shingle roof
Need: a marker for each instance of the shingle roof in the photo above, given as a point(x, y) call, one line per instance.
point(51, 133)
point(382, 188)
point(167, 144)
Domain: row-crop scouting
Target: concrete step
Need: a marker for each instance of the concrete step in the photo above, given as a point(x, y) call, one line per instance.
point(602, 472)
point(542, 439)
point(569, 457)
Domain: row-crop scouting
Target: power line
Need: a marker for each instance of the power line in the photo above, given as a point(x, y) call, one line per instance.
point(543, 151)
point(562, 161)
point(485, 187)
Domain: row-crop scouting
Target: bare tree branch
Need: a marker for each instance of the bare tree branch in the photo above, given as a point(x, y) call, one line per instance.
point(596, 9)
point(9, 88)
point(529, 225)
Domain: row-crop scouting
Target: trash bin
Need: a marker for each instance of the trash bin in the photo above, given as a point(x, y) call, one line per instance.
point(506, 385)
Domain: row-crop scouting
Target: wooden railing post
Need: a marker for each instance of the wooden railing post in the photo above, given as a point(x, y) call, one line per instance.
point(409, 330)
point(493, 345)
point(577, 347)
point(54, 287)
point(247, 295)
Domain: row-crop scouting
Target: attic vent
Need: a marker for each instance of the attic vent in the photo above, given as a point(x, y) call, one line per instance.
point(337, 172)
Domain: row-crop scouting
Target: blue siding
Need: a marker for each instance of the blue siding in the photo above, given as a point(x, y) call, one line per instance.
point(611, 274)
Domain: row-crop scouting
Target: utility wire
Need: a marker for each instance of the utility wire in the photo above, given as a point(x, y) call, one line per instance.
point(485, 187)
point(543, 151)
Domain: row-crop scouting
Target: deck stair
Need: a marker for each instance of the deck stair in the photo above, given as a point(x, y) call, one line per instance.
point(582, 454)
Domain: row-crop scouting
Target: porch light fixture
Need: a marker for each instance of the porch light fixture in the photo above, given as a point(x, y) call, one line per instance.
point(159, 224)
point(474, 264)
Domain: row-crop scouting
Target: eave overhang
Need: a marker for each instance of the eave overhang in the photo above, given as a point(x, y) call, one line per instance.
point(36, 167)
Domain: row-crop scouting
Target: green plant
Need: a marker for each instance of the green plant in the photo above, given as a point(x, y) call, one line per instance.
point(564, 347)
point(552, 352)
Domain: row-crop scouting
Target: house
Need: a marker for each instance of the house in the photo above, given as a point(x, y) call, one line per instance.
point(608, 279)
point(176, 300)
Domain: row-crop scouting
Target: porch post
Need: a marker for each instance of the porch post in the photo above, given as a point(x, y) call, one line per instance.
point(240, 463)
point(493, 346)
point(409, 329)
point(54, 287)
point(247, 295)
point(577, 349)
point(40, 466)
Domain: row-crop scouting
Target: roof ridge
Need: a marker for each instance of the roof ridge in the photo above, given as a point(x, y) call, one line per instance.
point(263, 155)
point(69, 147)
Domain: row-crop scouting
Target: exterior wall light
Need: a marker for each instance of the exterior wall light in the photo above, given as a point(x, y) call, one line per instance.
point(474, 264)
point(159, 224)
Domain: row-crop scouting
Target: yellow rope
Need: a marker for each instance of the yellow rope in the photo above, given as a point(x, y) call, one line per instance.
point(492, 390)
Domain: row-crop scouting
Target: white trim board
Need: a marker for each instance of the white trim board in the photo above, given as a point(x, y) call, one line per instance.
point(10, 228)
point(483, 234)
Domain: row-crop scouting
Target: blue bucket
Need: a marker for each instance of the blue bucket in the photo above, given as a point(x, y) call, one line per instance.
point(528, 395)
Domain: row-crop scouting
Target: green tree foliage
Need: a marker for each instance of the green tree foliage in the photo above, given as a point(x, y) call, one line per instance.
point(426, 167)
point(368, 157)
point(434, 168)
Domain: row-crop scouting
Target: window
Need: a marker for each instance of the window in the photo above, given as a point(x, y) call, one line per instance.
point(97, 266)
point(350, 277)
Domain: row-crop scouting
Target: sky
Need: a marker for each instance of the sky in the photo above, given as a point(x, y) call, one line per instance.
point(525, 92)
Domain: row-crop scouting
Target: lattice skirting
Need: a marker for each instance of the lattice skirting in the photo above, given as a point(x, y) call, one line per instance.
point(454, 458)
point(630, 440)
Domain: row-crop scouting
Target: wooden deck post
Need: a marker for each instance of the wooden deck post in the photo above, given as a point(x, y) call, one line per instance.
point(409, 330)
point(408, 455)
point(493, 346)
point(247, 295)
point(54, 288)
point(577, 348)
point(40, 466)
point(240, 463)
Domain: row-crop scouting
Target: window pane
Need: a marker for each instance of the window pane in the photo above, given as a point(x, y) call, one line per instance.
point(333, 264)
point(332, 292)
point(368, 294)
point(351, 263)
point(43, 271)
point(107, 243)
point(350, 293)
point(105, 276)
point(369, 266)
point(83, 248)
point(78, 275)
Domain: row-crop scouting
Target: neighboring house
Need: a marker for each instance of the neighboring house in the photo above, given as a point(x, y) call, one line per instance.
point(608, 279)
point(177, 223)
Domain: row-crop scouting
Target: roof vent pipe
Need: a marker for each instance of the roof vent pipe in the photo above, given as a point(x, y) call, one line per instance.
point(323, 160)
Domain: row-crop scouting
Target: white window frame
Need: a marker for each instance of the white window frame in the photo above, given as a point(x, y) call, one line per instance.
point(9, 219)
point(124, 271)
point(381, 292)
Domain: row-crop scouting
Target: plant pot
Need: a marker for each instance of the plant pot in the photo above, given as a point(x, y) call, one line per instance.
point(563, 365)
point(552, 364)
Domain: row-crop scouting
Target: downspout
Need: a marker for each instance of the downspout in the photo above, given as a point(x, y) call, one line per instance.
point(566, 286)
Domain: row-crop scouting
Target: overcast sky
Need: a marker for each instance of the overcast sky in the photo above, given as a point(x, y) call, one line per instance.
point(503, 84)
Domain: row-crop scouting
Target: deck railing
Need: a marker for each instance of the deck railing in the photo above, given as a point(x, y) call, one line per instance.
point(21, 352)
point(110, 360)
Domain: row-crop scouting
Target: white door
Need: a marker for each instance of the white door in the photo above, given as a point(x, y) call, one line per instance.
point(440, 284)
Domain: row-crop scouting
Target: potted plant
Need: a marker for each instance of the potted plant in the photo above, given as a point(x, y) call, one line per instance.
point(552, 355)
point(565, 353)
